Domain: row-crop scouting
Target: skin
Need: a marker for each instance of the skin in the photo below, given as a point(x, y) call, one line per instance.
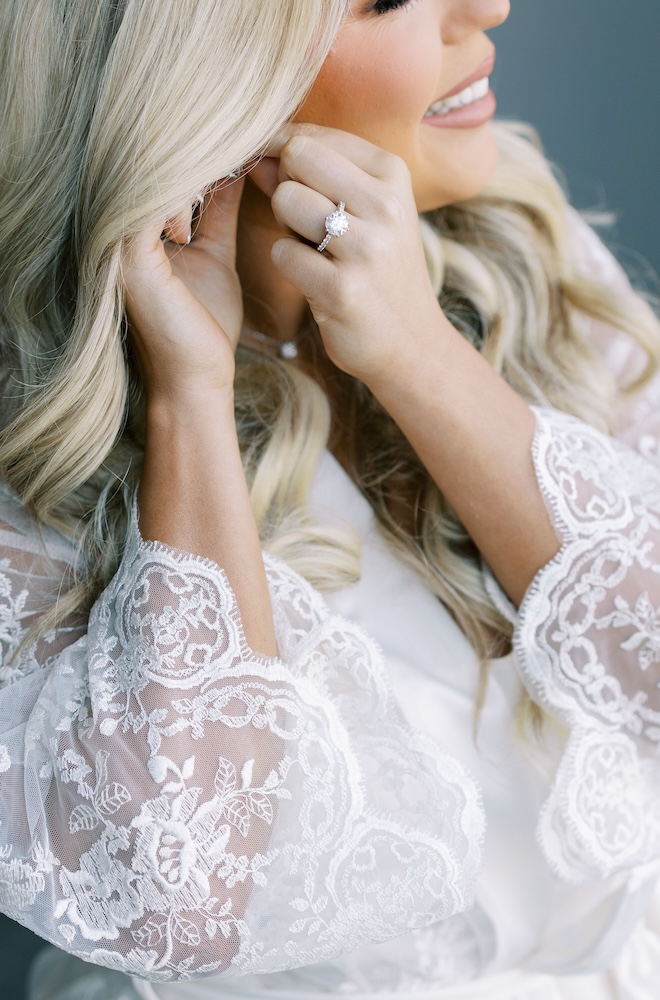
point(364, 141)
point(370, 293)
point(386, 70)
point(382, 74)
point(185, 311)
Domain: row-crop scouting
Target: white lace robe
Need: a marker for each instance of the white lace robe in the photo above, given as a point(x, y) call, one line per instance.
point(175, 806)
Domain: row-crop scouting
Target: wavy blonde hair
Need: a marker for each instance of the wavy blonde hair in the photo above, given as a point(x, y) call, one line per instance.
point(112, 113)
point(118, 114)
point(506, 269)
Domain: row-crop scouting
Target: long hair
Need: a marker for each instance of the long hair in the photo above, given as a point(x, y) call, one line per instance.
point(506, 269)
point(112, 113)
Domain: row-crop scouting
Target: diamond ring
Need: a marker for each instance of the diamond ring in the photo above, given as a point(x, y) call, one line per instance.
point(336, 224)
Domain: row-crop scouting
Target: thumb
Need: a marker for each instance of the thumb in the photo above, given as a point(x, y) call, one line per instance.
point(265, 174)
point(218, 220)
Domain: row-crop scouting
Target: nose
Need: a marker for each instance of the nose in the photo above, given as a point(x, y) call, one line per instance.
point(463, 17)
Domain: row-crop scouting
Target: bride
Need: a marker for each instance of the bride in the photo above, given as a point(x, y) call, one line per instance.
point(329, 520)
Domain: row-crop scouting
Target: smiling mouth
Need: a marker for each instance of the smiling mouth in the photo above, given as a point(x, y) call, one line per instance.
point(469, 95)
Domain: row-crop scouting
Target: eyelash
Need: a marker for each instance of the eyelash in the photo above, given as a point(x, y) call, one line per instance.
point(387, 6)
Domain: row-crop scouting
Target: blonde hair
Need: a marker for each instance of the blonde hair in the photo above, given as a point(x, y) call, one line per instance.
point(506, 270)
point(112, 113)
point(118, 115)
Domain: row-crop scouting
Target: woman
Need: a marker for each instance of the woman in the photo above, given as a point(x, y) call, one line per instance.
point(243, 791)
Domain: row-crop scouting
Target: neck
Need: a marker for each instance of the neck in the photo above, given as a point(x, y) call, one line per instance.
point(272, 305)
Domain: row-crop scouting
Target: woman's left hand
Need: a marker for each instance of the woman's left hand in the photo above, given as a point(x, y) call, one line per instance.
point(369, 291)
point(372, 298)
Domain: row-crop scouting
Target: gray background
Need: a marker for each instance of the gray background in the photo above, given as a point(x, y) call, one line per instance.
point(585, 73)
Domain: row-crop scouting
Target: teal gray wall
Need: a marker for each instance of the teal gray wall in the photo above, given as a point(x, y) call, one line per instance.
point(586, 74)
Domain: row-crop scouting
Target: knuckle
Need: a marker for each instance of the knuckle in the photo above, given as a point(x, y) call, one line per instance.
point(308, 129)
point(400, 169)
point(282, 198)
point(390, 207)
point(293, 149)
point(394, 169)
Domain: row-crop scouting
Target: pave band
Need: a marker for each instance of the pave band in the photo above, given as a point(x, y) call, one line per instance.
point(336, 224)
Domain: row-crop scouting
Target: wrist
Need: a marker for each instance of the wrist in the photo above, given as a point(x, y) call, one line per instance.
point(186, 400)
point(429, 357)
point(188, 410)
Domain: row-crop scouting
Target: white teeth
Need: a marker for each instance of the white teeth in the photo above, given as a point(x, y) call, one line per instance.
point(468, 96)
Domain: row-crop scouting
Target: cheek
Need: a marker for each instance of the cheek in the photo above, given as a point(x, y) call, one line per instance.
point(367, 98)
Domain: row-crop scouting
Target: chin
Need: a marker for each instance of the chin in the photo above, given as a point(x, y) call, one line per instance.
point(464, 176)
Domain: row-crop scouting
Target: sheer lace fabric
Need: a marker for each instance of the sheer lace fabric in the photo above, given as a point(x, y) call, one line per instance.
point(175, 805)
point(588, 645)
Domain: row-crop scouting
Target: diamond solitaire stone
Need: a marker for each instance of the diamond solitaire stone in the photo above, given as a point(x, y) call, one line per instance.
point(336, 224)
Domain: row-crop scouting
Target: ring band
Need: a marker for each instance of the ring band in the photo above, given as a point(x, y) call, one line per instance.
point(336, 224)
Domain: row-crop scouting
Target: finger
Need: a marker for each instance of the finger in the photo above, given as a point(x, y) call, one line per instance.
point(329, 172)
point(218, 220)
point(265, 174)
point(304, 211)
point(310, 272)
point(179, 228)
point(144, 248)
point(364, 154)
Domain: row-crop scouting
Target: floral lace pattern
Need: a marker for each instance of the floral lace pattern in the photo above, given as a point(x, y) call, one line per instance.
point(175, 805)
point(588, 643)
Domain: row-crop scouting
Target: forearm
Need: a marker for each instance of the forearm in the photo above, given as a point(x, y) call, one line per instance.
point(474, 435)
point(194, 497)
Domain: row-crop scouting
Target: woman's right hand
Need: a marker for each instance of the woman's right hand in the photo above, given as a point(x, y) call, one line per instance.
point(185, 310)
point(183, 297)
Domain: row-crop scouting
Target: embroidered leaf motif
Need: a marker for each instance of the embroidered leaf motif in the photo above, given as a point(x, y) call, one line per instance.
point(113, 798)
point(101, 768)
point(188, 768)
point(158, 767)
point(151, 933)
point(246, 773)
point(185, 931)
point(82, 818)
point(238, 814)
point(225, 778)
point(272, 780)
point(260, 805)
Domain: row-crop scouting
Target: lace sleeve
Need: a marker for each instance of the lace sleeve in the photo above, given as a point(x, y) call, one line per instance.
point(587, 641)
point(173, 805)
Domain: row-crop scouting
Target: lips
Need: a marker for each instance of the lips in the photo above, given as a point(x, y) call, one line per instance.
point(483, 69)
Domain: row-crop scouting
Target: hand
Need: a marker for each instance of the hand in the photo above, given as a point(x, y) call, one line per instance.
point(369, 292)
point(183, 297)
